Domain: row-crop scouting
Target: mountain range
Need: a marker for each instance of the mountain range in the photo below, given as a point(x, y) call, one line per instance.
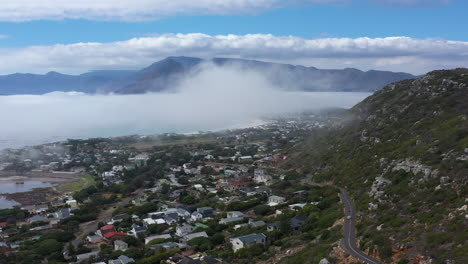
point(166, 74)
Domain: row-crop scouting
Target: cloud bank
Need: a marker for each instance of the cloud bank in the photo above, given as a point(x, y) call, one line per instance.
point(412, 55)
point(215, 99)
point(135, 10)
point(141, 10)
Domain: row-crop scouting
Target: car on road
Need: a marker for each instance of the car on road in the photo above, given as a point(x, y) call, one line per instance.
point(348, 217)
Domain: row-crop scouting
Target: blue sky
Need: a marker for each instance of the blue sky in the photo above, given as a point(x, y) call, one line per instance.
point(37, 36)
point(314, 21)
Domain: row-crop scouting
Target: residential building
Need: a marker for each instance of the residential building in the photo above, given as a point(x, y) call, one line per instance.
point(120, 245)
point(275, 200)
point(122, 260)
point(247, 241)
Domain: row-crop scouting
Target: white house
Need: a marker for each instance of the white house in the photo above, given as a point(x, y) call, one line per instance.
point(93, 239)
point(275, 200)
point(247, 241)
point(120, 245)
point(196, 216)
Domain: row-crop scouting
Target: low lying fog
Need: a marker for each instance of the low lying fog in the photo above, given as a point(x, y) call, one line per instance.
point(217, 98)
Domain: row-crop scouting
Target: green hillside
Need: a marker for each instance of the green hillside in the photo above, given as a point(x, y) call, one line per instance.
point(403, 156)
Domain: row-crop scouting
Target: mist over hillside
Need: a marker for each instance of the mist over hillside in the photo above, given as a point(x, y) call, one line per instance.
point(167, 74)
point(215, 98)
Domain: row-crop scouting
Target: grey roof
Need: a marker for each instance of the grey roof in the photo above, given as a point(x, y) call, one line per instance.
point(195, 235)
point(257, 224)
point(123, 260)
point(166, 245)
point(232, 219)
point(36, 218)
point(141, 229)
point(250, 238)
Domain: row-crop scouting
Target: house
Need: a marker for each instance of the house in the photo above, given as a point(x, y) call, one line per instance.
point(41, 208)
point(235, 214)
point(93, 239)
point(36, 218)
point(182, 230)
point(273, 226)
point(151, 221)
point(114, 235)
point(198, 187)
point(266, 179)
point(298, 221)
point(72, 203)
point(247, 241)
point(236, 185)
point(275, 200)
point(240, 226)
point(86, 256)
point(256, 224)
point(184, 213)
point(122, 260)
point(164, 236)
point(57, 203)
point(296, 206)
point(120, 245)
point(118, 218)
point(205, 211)
point(9, 232)
point(195, 235)
point(245, 159)
point(196, 216)
point(105, 229)
point(171, 218)
point(63, 213)
point(138, 230)
point(167, 245)
point(230, 220)
point(36, 209)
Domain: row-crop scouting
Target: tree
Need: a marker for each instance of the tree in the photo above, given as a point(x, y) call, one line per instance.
point(217, 239)
point(285, 227)
point(263, 209)
point(48, 246)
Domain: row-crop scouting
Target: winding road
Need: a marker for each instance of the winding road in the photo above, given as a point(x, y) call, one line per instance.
point(349, 241)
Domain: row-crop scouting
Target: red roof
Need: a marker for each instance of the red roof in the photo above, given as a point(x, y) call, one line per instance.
point(113, 234)
point(3, 223)
point(238, 183)
point(107, 227)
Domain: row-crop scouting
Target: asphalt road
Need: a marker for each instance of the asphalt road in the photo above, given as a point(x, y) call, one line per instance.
point(349, 241)
point(104, 216)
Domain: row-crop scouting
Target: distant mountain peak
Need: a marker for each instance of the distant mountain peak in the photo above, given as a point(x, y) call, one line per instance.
point(167, 73)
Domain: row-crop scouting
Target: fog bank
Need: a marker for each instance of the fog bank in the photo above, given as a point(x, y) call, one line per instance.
point(217, 98)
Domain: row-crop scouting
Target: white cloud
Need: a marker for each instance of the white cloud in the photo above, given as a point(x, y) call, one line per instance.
point(214, 99)
point(4, 36)
point(390, 53)
point(134, 10)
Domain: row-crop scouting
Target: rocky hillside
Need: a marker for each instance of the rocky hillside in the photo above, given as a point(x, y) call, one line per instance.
point(403, 156)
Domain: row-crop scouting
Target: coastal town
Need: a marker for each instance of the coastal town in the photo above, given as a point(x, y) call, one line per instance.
point(214, 197)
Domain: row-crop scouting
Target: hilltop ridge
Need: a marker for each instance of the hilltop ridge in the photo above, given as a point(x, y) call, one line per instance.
point(165, 75)
point(403, 156)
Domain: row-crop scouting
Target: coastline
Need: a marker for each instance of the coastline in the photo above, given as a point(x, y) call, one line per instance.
point(40, 194)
